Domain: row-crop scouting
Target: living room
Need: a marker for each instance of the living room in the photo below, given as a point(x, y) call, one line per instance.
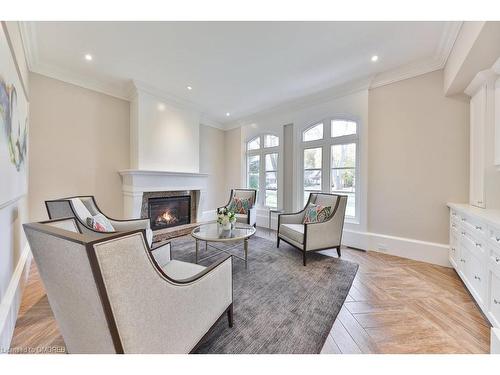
point(251, 187)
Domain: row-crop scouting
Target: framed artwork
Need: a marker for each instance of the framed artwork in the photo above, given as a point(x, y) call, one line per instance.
point(13, 126)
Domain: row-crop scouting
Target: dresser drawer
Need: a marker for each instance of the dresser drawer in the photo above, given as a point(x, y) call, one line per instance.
point(494, 235)
point(454, 249)
point(494, 302)
point(475, 226)
point(477, 244)
point(494, 261)
point(476, 274)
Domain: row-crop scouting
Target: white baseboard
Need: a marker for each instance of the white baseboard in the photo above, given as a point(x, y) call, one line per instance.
point(424, 251)
point(11, 301)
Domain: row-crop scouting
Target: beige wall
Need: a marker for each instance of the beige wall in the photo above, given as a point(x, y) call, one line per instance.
point(212, 159)
point(79, 139)
point(233, 163)
point(418, 158)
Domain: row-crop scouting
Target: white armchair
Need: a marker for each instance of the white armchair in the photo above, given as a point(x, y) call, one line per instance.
point(251, 216)
point(110, 295)
point(314, 236)
point(81, 207)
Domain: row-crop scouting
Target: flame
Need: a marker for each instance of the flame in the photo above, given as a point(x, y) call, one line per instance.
point(167, 217)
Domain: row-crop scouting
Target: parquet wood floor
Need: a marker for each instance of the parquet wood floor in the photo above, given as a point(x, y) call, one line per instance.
point(395, 305)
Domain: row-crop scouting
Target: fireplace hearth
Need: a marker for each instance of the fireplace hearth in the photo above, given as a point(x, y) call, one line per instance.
point(168, 212)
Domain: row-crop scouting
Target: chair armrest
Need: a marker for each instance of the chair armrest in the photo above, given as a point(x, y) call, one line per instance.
point(162, 253)
point(292, 218)
point(128, 225)
point(325, 234)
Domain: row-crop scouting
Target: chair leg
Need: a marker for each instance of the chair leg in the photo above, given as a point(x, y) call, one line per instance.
point(278, 242)
point(304, 257)
point(338, 251)
point(230, 315)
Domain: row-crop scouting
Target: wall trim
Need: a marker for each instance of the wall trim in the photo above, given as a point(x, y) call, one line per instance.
point(424, 251)
point(9, 306)
point(12, 201)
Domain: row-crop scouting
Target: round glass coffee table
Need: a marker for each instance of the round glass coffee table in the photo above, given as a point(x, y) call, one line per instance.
point(213, 233)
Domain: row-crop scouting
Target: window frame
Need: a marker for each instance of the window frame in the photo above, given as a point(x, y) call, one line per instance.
point(326, 144)
point(262, 152)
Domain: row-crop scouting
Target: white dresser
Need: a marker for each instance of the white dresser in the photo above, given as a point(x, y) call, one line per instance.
point(475, 255)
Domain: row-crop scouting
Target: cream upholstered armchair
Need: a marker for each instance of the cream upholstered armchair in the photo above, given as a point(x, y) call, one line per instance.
point(82, 207)
point(314, 236)
point(109, 295)
point(251, 216)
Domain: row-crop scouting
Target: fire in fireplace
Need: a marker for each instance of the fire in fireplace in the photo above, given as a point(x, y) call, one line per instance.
point(169, 212)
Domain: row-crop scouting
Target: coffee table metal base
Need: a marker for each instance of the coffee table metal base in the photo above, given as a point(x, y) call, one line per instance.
point(207, 245)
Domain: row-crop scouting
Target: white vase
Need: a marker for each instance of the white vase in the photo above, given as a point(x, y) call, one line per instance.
point(226, 226)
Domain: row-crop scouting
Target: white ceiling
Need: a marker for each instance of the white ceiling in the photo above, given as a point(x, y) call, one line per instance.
point(236, 67)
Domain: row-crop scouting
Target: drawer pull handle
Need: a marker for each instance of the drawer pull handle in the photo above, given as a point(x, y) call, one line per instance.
point(498, 239)
point(463, 233)
point(497, 259)
point(462, 260)
point(477, 277)
point(479, 228)
point(453, 226)
point(478, 244)
point(496, 302)
point(463, 219)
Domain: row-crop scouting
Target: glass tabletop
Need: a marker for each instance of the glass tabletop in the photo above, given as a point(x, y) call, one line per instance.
point(214, 232)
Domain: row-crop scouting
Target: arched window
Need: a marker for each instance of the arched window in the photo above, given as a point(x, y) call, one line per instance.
point(331, 160)
point(262, 168)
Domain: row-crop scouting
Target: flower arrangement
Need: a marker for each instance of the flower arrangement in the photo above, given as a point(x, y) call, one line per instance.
point(226, 218)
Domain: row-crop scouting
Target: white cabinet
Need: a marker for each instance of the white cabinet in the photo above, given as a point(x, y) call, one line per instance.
point(475, 255)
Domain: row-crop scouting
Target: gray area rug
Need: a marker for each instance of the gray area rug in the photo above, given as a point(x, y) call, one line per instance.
point(280, 306)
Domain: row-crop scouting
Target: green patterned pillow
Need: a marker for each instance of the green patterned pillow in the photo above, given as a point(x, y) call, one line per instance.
point(240, 205)
point(316, 213)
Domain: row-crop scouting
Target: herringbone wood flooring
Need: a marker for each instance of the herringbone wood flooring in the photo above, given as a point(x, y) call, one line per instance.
point(395, 305)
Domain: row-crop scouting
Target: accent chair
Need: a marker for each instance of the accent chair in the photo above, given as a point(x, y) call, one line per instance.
point(109, 295)
point(251, 216)
point(82, 207)
point(314, 236)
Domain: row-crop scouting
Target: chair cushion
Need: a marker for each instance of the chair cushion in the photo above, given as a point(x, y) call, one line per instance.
point(316, 213)
point(80, 210)
point(178, 270)
point(293, 231)
point(100, 223)
point(240, 218)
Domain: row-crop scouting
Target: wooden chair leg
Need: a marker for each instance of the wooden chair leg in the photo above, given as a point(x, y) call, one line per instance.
point(230, 315)
point(278, 242)
point(338, 250)
point(304, 257)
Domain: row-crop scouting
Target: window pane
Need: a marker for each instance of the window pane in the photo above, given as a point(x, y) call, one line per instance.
point(272, 162)
point(253, 181)
point(271, 198)
point(271, 140)
point(342, 127)
point(312, 158)
point(351, 205)
point(271, 180)
point(313, 133)
point(306, 196)
point(254, 144)
point(344, 156)
point(343, 180)
point(253, 164)
point(312, 180)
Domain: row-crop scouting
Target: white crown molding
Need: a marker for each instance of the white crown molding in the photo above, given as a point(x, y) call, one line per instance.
point(488, 76)
point(437, 62)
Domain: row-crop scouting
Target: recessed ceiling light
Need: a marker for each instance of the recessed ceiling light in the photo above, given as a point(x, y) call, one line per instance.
point(228, 114)
point(189, 88)
point(161, 107)
point(88, 57)
point(374, 58)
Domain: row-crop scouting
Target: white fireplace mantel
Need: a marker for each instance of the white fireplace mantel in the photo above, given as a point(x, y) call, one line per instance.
point(135, 182)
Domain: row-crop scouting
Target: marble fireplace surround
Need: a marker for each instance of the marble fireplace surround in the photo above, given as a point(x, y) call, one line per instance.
point(140, 185)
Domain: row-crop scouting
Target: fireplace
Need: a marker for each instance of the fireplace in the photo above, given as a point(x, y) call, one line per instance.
point(167, 212)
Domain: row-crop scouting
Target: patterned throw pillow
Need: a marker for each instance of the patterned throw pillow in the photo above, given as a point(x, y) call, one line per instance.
point(240, 205)
point(316, 213)
point(100, 223)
